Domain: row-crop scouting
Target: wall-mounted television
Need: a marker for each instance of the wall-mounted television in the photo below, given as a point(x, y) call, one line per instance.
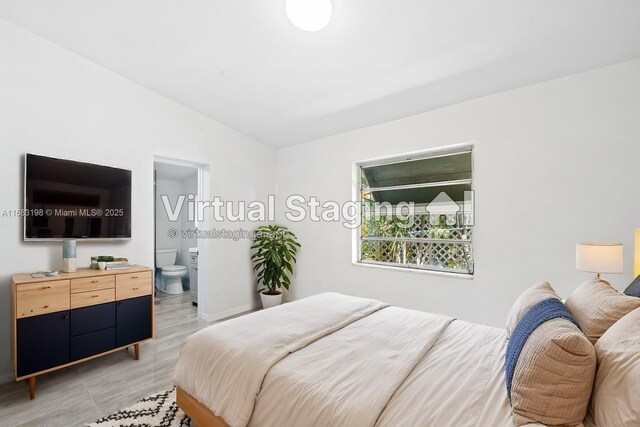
point(65, 199)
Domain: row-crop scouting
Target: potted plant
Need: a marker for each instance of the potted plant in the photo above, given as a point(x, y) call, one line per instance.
point(103, 260)
point(274, 257)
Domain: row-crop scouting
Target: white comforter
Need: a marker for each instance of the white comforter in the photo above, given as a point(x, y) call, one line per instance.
point(348, 377)
point(223, 366)
point(333, 360)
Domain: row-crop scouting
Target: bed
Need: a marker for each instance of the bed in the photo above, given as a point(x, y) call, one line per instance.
point(344, 361)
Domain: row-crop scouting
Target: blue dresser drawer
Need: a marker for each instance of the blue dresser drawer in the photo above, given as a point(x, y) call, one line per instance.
point(42, 342)
point(91, 319)
point(93, 343)
point(133, 320)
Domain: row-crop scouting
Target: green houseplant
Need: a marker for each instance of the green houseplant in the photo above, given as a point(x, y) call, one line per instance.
point(275, 249)
point(103, 260)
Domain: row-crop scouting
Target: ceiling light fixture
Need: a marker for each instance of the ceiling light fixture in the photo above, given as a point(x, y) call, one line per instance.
point(309, 15)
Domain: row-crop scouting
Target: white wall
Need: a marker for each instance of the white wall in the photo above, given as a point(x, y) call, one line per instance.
point(188, 186)
point(56, 103)
point(172, 189)
point(555, 163)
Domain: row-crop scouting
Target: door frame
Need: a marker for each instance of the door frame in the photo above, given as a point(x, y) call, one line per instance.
point(204, 249)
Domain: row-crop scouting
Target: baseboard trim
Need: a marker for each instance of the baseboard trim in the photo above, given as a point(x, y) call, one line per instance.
point(6, 378)
point(231, 312)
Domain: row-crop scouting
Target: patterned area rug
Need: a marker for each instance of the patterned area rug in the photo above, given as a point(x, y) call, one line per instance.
point(158, 410)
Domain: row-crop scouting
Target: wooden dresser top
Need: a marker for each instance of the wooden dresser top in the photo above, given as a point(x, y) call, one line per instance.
point(23, 278)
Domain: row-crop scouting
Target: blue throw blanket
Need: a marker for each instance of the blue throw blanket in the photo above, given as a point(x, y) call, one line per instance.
point(540, 313)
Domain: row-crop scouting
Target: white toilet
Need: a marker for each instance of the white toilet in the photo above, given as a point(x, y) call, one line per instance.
point(171, 274)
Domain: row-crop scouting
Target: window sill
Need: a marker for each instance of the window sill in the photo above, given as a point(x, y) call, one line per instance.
point(416, 270)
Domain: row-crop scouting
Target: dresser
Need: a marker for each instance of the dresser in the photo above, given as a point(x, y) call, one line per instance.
point(73, 317)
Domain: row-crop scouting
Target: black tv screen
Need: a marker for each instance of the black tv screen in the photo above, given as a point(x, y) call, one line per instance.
point(65, 199)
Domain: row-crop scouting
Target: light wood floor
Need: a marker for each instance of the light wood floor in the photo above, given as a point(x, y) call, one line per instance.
point(84, 393)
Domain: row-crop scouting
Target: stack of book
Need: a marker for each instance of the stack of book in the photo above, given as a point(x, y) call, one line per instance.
point(117, 265)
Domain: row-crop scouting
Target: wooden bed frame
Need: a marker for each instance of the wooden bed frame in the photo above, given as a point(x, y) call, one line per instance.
point(199, 413)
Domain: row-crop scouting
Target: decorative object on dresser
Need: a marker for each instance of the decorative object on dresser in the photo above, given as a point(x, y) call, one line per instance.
point(599, 257)
point(69, 256)
point(104, 262)
point(101, 262)
point(65, 320)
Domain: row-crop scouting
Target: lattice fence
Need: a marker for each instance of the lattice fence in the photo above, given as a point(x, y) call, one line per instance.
point(445, 247)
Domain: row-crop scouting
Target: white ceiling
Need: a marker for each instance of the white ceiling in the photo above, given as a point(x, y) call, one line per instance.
point(242, 63)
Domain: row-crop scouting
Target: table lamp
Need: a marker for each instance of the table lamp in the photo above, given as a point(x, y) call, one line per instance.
point(599, 257)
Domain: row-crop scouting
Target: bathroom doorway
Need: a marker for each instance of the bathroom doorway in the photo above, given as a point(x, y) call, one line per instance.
point(180, 273)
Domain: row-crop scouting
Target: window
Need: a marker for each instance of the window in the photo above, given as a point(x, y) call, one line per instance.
point(417, 211)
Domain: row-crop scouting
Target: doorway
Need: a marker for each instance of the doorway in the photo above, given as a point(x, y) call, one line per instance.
point(181, 276)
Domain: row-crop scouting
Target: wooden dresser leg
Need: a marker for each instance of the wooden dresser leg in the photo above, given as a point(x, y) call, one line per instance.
point(32, 387)
point(136, 348)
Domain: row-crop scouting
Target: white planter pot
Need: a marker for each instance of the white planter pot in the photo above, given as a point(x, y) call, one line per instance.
point(102, 265)
point(269, 301)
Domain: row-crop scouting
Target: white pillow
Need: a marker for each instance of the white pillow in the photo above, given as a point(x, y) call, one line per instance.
point(617, 386)
point(596, 305)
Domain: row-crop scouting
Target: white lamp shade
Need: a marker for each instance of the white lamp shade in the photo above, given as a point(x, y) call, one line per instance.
point(599, 257)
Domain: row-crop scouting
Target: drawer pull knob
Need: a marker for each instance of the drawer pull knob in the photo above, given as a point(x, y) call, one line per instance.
point(46, 287)
point(45, 306)
point(95, 296)
point(135, 289)
point(134, 277)
point(94, 281)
